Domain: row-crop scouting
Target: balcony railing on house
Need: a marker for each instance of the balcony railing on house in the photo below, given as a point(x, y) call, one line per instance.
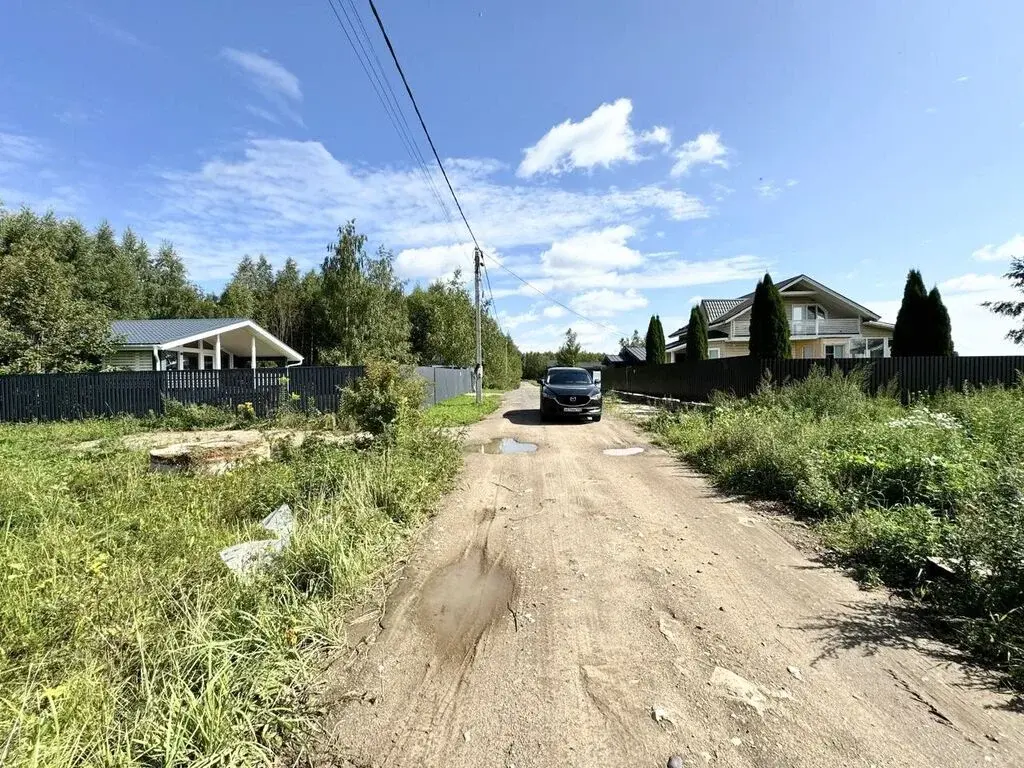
point(840, 326)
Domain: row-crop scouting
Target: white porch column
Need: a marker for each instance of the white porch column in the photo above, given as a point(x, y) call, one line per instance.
point(181, 360)
point(252, 352)
point(231, 359)
point(202, 357)
point(216, 353)
point(156, 359)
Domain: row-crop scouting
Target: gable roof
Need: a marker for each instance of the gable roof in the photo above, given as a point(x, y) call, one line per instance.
point(713, 309)
point(179, 332)
point(146, 332)
point(637, 353)
point(722, 310)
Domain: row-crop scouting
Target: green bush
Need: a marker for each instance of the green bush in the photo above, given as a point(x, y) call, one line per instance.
point(889, 484)
point(385, 399)
point(192, 416)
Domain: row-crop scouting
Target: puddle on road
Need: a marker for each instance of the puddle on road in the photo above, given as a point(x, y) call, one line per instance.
point(622, 451)
point(503, 445)
point(459, 602)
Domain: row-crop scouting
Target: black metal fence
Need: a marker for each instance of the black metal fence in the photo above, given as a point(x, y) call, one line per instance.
point(444, 383)
point(65, 396)
point(741, 376)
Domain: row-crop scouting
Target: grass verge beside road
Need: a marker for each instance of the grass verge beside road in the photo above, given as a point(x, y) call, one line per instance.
point(461, 411)
point(124, 641)
point(889, 486)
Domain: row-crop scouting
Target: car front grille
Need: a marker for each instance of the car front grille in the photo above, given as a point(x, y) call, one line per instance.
point(573, 401)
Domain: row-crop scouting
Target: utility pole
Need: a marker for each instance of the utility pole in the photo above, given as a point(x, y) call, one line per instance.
point(478, 258)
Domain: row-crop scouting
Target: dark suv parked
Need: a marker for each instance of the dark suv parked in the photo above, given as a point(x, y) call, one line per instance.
point(569, 392)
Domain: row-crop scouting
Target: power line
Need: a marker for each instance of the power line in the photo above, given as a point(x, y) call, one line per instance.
point(444, 173)
point(398, 109)
point(553, 300)
point(380, 83)
point(423, 124)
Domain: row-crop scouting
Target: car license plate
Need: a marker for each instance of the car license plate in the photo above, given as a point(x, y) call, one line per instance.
point(573, 410)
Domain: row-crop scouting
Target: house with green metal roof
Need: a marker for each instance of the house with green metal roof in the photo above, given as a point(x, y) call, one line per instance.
point(196, 344)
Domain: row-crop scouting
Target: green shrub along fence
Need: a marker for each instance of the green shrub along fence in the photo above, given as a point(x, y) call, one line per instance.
point(741, 376)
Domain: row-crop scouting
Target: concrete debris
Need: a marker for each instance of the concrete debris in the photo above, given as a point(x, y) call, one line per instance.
point(675, 762)
point(280, 522)
point(250, 556)
point(795, 672)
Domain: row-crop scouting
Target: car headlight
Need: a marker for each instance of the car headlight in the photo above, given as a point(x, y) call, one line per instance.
point(596, 395)
point(547, 393)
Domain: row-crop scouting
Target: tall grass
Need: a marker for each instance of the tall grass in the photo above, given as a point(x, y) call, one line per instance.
point(890, 486)
point(124, 641)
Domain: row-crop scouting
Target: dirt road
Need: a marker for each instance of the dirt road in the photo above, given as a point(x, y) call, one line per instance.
point(572, 608)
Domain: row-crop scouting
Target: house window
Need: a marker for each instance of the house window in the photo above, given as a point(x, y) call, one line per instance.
point(864, 348)
point(808, 312)
point(714, 353)
point(833, 351)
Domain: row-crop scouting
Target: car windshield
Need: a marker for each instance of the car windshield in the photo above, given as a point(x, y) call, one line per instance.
point(569, 377)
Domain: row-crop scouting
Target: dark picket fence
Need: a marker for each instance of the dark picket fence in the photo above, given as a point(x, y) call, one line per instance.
point(67, 396)
point(741, 376)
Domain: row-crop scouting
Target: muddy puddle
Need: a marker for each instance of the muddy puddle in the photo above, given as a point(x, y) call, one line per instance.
point(460, 601)
point(502, 445)
point(622, 451)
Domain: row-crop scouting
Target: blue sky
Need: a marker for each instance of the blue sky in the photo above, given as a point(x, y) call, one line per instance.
point(626, 157)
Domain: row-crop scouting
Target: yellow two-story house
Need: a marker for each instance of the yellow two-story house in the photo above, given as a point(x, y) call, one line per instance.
point(822, 324)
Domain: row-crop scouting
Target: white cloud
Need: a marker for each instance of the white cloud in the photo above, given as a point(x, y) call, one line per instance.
point(769, 190)
point(1012, 247)
point(600, 139)
point(720, 191)
point(114, 32)
point(603, 259)
point(264, 114)
point(433, 262)
point(931, 111)
point(74, 116)
point(976, 329)
point(284, 197)
point(553, 311)
point(591, 336)
point(706, 149)
point(972, 282)
point(266, 73)
point(589, 252)
point(19, 150)
point(962, 79)
point(25, 178)
point(279, 86)
point(605, 302)
point(508, 322)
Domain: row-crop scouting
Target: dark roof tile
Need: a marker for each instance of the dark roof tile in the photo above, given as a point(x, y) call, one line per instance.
point(135, 332)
